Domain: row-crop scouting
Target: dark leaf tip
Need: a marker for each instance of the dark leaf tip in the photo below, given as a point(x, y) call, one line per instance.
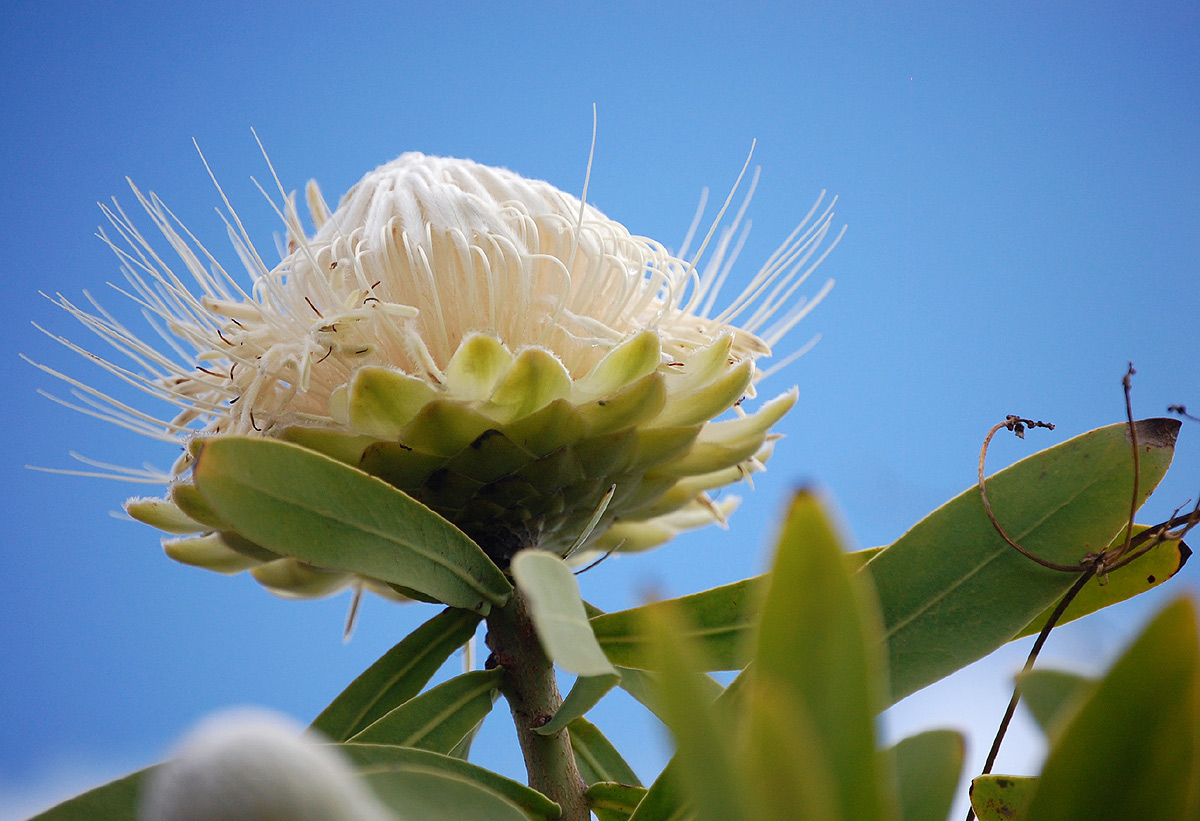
point(1157, 433)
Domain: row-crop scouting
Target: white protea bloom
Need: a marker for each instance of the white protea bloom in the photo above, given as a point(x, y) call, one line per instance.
point(492, 346)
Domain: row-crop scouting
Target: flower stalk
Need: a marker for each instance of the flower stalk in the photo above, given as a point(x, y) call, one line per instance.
point(532, 693)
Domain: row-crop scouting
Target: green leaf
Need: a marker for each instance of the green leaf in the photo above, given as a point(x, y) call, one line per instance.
point(705, 768)
point(435, 787)
point(951, 591)
point(114, 801)
point(398, 675)
point(463, 748)
point(817, 679)
point(558, 614)
point(646, 687)
point(597, 758)
point(1003, 797)
point(315, 509)
point(927, 766)
point(614, 802)
point(1052, 696)
point(440, 718)
point(1145, 573)
point(1132, 750)
point(665, 800)
point(585, 693)
point(724, 620)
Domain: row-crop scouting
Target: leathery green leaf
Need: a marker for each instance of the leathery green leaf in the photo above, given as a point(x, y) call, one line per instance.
point(584, 695)
point(317, 510)
point(927, 768)
point(817, 678)
point(558, 614)
point(951, 590)
point(1002, 797)
point(1132, 749)
point(614, 802)
point(439, 718)
point(1144, 573)
point(724, 620)
point(398, 675)
point(434, 787)
point(597, 758)
point(114, 801)
point(1052, 696)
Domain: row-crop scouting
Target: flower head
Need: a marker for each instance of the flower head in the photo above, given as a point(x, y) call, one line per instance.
point(504, 353)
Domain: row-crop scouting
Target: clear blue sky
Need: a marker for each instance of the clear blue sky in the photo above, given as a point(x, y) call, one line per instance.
point(1021, 185)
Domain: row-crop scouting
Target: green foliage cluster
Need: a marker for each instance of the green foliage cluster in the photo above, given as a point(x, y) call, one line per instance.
point(823, 642)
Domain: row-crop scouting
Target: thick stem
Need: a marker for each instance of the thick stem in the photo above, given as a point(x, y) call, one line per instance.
point(532, 693)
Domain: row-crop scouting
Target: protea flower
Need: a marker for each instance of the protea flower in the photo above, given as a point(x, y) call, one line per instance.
point(488, 344)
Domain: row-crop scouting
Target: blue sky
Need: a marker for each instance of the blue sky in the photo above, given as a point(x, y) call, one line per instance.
point(1021, 186)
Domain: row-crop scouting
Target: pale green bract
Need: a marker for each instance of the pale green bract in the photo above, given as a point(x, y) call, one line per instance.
point(501, 352)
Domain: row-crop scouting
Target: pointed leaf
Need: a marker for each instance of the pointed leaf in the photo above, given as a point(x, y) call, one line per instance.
point(399, 674)
point(1132, 750)
point(951, 590)
point(597, 758)
point(1052, 696)
point(614, 802)
point(818, 676)
point(927, 767)
point(1002, 797)
point(312, 508)
point(435, 787)
point(558, 614)
point(1145, 573)
point(440, 718)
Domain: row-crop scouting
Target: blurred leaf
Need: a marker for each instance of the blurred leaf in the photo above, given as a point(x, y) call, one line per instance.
point(1132, 750)
point(312, 508)
point(665, 801)
point(398, 675)
point(558, 614)
point(646, 687)
point(435, 787)
point(705, 767)
point(1003, 797)
point(723, 617)
point(927, 767)
point(614, 802)
point(1149, 571)
point(597, 758)
point(1052, 696)
point(817, 680)
point(439, 718)
point(114, 801)
point(951, 590)
point(585, 693)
